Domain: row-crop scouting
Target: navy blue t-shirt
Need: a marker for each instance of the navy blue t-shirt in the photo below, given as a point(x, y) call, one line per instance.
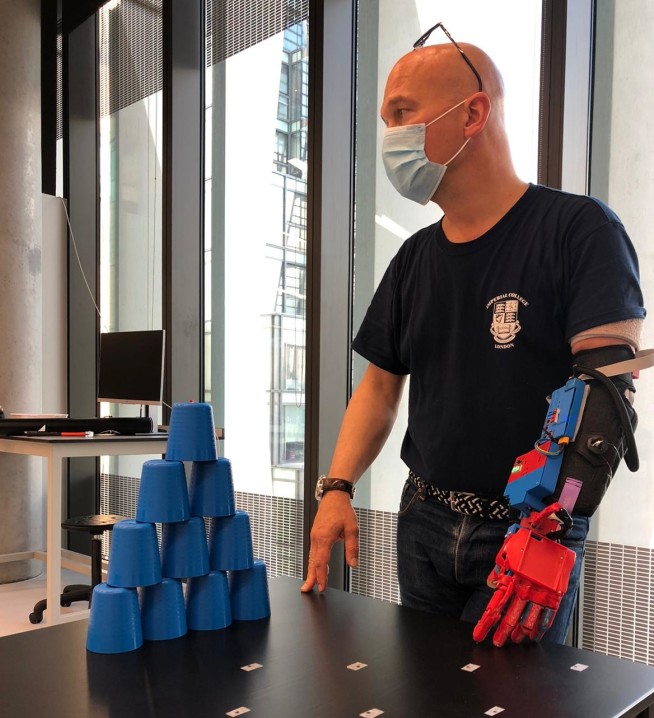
point(483, 328)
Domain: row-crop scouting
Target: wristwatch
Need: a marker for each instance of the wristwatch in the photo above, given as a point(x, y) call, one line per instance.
point(324, 485)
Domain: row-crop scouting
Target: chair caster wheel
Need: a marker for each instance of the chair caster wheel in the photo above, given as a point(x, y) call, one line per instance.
point(65, 604)
point(36, 617)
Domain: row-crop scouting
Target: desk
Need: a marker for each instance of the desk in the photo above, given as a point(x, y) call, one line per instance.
point(54, 449)
point(413, 659)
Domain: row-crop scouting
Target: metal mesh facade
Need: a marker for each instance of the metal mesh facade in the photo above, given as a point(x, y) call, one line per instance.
point(276, 522)
point(617, 615)
point(234, 25)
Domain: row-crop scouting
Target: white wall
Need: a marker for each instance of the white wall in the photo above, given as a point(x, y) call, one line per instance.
point(55, 294)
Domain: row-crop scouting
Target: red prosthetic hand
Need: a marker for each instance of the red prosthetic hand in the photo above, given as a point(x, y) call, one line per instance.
point(530, 578)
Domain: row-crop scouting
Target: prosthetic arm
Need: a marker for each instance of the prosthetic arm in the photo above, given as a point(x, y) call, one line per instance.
point(588, 429)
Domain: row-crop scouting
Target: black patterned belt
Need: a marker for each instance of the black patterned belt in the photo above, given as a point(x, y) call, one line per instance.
point(465, 502)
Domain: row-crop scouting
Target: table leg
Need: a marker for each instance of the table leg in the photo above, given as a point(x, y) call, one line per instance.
point(53, 538)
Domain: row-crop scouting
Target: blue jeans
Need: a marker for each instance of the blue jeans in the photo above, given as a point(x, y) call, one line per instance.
point(444, 558)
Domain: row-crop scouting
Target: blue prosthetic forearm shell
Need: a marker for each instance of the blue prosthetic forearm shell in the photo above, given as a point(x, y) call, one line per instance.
point(534, 475)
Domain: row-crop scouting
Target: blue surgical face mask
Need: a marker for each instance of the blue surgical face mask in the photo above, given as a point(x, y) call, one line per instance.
point(408, 168)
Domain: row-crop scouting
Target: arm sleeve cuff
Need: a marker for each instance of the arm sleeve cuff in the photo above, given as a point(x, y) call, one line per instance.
point(628, 331)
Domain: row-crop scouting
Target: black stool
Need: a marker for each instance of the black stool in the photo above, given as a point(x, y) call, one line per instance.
point(94, 525)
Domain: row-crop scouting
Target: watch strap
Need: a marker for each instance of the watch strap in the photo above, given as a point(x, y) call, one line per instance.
point(326, 484)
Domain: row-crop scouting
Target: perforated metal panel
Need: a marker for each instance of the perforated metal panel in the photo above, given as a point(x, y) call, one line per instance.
point(130, 53)
point(60, 85)
point(616, 609)
point(233, 26)
point(276, 522)
point(376, 575)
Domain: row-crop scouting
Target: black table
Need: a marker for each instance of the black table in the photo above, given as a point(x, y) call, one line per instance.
point(414, 668)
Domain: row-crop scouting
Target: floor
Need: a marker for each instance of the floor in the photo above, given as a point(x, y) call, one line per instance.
point(17, 600)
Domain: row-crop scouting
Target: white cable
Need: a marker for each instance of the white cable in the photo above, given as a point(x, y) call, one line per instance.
point(79, 261)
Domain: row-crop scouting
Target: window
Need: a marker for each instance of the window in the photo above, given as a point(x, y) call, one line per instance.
point(131, 133)
point(256, 183)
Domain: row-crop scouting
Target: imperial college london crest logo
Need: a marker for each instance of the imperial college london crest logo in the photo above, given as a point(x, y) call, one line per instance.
point(505, 324)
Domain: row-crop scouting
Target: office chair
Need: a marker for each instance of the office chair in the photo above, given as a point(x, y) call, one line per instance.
point(94, 525)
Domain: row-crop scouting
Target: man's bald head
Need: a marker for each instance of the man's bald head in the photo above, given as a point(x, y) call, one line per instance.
point(440, 73)
point(445, 65)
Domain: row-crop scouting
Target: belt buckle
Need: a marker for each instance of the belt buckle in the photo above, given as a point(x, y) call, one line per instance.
point(456, 495)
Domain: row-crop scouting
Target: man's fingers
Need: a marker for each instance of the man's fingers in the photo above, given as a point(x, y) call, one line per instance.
point(319, 563)
point(310, 581)
point(317, 571)
point(351, 537)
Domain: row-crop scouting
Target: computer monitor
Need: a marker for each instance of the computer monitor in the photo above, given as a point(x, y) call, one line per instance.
point(131, 367)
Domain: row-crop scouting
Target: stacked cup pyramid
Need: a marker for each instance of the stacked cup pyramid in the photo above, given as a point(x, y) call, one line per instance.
point(121, 619)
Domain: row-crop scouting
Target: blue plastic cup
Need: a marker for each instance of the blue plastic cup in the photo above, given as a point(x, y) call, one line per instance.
point(230, 542)
point(115, 622)
point(208, 602)
point(184, 551)
point(134, 555)
point(212, 488)
point(249, 593)
point(163, 611)
point(163, 494)
point(191, 433)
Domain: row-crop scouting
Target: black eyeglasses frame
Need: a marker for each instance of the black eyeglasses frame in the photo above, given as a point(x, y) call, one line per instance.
point(425, 36)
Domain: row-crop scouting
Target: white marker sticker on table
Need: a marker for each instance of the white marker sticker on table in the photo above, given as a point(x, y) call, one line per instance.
point(470, 667)
point(251, 667)
point(578, 667)
point(238, 712)
point(494, 711)
point(372, 713)
point(357, 666)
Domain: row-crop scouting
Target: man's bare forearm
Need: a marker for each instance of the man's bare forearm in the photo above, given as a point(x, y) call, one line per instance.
point(368, 421)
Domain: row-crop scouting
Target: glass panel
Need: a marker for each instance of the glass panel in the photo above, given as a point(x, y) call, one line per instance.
point(384, 219)
point(131, 134)
point(255, 263)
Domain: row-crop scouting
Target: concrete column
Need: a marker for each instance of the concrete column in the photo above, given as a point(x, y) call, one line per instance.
point(21, 498)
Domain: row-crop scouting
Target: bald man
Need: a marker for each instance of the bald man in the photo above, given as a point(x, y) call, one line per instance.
point(485, 310)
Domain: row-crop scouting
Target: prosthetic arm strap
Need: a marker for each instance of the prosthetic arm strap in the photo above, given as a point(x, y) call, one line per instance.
point(642, 360)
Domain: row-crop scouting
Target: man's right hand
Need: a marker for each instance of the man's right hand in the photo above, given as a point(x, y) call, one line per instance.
point(368, 420)
point(334, 521)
